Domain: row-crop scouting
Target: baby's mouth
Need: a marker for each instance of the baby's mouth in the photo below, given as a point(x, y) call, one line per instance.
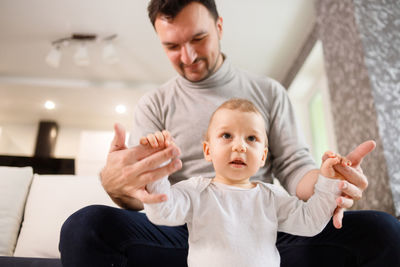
point(238, 162)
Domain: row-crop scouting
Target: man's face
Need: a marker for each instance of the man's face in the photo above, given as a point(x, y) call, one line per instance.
point(191, 41)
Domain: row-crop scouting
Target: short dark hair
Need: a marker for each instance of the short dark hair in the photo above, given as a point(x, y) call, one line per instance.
point(171, 8)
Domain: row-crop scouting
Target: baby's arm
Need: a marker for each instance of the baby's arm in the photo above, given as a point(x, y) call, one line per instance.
point(309, 218)
point(173, 211)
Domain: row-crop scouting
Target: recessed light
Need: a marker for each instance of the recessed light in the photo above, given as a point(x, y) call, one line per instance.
point(49, 104)
point(120, 109)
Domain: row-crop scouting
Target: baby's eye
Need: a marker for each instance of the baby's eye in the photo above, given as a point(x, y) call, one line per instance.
point(226, 136)
point(252, 138)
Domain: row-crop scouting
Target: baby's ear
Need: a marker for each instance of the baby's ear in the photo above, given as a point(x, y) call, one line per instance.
point(206, 151)
point(264, 156)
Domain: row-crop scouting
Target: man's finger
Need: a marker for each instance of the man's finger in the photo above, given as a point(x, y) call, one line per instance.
point(338, 217)
point(145, 159)
point(118, 143)
point(140, 152)
point(353, 176)
point(344, 202)
point(356, 156)
point(350, 190)
point(154, 161)
point(163, 171)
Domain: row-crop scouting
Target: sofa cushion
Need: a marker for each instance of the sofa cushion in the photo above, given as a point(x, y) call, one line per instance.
point(52, 198)
point(14, 187)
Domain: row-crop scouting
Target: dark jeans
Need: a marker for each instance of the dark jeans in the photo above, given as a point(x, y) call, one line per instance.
point(104, 236)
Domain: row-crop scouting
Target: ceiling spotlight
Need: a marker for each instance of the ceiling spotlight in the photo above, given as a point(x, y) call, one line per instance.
point(49, 105)
point(109, 54)
point(81, 56)
point(120, 109)
point(54, 57)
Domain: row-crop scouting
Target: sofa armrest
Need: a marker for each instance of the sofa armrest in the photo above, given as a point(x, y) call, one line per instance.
point(14, 187)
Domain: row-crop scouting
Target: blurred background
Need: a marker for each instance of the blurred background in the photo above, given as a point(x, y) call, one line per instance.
point(84, 65)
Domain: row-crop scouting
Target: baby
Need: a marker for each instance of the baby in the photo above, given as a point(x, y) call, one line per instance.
point(231, 220)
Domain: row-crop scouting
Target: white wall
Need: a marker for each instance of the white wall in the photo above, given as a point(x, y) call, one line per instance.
point(88, 147)
point(18, 139)
point(67, 145)
point(92, 153)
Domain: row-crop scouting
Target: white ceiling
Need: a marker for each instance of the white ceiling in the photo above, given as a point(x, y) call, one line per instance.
point(262, 36)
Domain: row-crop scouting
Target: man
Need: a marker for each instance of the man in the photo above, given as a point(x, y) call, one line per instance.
point(190, 32)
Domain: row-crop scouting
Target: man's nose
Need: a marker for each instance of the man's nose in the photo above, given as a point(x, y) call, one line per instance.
point(239, 146)
point(188, 54)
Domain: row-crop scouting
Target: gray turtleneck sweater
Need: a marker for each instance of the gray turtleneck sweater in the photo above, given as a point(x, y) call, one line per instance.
point(184, 109)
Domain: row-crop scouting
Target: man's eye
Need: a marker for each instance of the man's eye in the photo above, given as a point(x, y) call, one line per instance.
point(252, 138)
point(172, 47)
point(198, 39)
point(226, 136)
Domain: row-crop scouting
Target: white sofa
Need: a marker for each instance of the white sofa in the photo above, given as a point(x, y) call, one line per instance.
point(33, 208)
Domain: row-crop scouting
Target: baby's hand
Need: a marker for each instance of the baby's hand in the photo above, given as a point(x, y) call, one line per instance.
point(157, 140)
point(332, 159)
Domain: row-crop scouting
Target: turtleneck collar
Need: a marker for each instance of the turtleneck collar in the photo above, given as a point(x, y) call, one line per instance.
point(220, 77)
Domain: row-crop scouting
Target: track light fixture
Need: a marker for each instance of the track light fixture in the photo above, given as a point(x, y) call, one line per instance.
point(54, 57)
point(81, 56)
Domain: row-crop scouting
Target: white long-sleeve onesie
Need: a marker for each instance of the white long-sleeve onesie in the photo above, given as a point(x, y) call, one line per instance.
point(231, 226)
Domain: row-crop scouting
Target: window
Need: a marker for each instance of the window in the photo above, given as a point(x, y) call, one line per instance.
point(310, 97)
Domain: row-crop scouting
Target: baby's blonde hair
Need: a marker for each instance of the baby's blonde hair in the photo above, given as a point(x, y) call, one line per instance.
point(239, 104)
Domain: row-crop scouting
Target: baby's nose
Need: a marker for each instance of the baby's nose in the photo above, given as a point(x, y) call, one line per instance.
point(239, 146)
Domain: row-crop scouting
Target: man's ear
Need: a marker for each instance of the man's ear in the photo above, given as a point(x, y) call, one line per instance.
point(219, 27)
point(264, 156)
point(206, 151)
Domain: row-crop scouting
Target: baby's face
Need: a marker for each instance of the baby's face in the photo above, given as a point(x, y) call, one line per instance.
point(236, 144)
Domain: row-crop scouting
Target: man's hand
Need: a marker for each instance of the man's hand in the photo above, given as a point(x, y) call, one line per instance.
point(128, 170)
point(355, 181)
